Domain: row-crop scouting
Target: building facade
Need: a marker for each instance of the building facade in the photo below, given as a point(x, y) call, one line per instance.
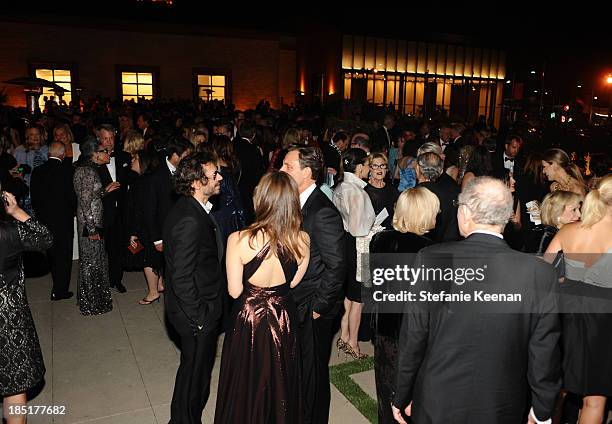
point(421, 78)
point(131, 59)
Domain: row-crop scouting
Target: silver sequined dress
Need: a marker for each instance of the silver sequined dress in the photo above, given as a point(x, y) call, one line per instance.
point(93, 294)
point(21, 361)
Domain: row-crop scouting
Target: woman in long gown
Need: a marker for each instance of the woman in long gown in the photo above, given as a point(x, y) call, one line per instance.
point(586, 302)
point(93, 294)
point(21, 361)
point(260, 379)
point(415, 215)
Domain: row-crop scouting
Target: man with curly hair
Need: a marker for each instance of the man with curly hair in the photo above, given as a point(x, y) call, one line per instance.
point(193, 254)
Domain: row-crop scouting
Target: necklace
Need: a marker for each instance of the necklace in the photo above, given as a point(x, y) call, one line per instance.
point(564, 186)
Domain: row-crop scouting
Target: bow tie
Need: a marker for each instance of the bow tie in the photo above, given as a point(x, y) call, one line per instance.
point(507, 159)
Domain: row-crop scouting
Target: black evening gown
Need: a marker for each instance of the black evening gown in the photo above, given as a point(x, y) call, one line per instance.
point(386, 324)
point(21, 361)
point(381, 198)
point(136, 205)
point(260, 379)
point(586, 303)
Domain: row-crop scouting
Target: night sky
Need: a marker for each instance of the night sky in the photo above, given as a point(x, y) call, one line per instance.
point(574, 46)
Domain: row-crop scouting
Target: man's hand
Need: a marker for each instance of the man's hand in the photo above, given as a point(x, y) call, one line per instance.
point(159, 247)
point(397, 415)
point(315, 315)
point(112, 187)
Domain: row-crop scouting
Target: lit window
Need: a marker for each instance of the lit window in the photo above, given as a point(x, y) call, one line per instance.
point(211, 87)
point(135, 85)
point(61, 77)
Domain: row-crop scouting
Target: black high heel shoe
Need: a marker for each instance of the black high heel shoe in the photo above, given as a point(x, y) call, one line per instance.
point(145, 301)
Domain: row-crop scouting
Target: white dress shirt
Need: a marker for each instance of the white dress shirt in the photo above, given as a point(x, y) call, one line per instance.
point(354, 205)
point(76, 152)
point(206, 206)
point(112, 169)
point(491, 233)
point(508, 163)
point(171, 167)
point(306, 194)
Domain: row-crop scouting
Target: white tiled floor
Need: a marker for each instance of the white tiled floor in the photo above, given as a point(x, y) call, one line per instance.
point(120, 367)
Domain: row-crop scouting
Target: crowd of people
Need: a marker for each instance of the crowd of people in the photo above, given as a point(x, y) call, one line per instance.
point(260, 223)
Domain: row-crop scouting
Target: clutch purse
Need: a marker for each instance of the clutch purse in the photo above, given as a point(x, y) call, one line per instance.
point(135, 249)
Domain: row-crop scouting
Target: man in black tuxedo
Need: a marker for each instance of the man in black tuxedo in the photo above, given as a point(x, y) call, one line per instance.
point(113, 173)
point(509, 158)
point(193, 253)
point(382, 141)
point(54, 203)
point(319, 294)
point(252, 166)
point(332, 152)
point(456, 134)
point(444, 139)
point(431, 175)
point(161, 195)
point(478, 361)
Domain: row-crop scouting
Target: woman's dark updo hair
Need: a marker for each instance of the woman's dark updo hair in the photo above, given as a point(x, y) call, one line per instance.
point(190, 170)
point(88, 147)
point(352, 158)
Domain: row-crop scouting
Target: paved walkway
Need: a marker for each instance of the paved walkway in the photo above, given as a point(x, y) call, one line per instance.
point(120, 367)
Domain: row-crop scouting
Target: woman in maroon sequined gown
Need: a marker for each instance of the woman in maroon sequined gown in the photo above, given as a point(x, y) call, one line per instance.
point(260, 379)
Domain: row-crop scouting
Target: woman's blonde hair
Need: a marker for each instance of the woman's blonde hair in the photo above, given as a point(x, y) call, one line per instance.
point(597, 203)
point(67, 130)
point(554, 204)
point(415, 211)
point(562, 159)
point(134, 142)
point(378, 156)
point(291, 138)
point(278, 214)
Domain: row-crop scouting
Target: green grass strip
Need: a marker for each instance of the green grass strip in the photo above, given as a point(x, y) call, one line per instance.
point(340, 376)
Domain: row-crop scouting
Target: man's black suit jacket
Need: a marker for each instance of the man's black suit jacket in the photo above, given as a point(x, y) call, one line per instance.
point(113, 201)
point(324, 278)
point(193, 268)
point(447, 191)
point(380, 142)
point(476, 362)
point(498, 165)
point(53, 197)
point(161, 197)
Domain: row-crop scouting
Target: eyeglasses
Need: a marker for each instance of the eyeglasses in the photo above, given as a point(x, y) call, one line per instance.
point(214, 176)
point(376, 166)
point(102, 151)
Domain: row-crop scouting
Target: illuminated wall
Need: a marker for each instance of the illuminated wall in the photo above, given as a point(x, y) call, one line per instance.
point(418, 77)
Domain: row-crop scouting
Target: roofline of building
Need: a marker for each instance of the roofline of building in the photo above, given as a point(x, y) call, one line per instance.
point(149, 26)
